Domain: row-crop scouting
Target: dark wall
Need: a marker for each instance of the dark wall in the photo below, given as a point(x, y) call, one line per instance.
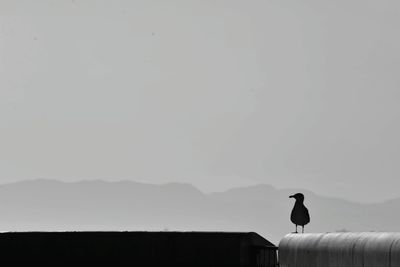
point(139, 248)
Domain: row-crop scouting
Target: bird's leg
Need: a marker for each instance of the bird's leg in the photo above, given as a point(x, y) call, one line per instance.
point(296, 229)
point(302, 229)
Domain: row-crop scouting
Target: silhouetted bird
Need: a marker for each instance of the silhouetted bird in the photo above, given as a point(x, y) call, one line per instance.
point(299, 215)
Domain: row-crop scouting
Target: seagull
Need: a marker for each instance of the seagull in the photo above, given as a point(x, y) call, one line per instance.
point(299, 215)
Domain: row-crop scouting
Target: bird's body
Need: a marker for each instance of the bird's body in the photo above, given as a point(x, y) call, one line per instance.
point(299, 215)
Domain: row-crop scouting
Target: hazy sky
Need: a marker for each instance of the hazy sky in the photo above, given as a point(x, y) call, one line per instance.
point(218, 93)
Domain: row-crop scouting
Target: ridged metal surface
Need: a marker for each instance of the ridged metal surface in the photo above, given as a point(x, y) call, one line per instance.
point(368, 249)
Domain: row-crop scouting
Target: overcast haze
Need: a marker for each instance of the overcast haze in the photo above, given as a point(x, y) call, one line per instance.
point(217, 93)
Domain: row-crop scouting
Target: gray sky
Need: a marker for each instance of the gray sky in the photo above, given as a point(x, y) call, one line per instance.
point(218, 93)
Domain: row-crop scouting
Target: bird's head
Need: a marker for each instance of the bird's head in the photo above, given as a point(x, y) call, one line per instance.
point(299, 197)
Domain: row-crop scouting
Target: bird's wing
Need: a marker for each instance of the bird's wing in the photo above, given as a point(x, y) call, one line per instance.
point(307, 214)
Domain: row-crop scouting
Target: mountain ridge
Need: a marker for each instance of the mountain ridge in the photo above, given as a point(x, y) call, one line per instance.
point(45, 204)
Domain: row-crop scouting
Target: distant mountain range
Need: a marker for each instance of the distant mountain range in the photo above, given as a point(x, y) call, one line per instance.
point(48, 205)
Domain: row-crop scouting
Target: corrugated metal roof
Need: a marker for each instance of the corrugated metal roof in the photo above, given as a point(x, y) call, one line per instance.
point(340, 250)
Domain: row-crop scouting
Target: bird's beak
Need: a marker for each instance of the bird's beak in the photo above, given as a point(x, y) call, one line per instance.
point(291, 196)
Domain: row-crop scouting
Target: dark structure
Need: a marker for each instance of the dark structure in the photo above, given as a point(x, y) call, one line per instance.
point(200, 249)
point(299, 215)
